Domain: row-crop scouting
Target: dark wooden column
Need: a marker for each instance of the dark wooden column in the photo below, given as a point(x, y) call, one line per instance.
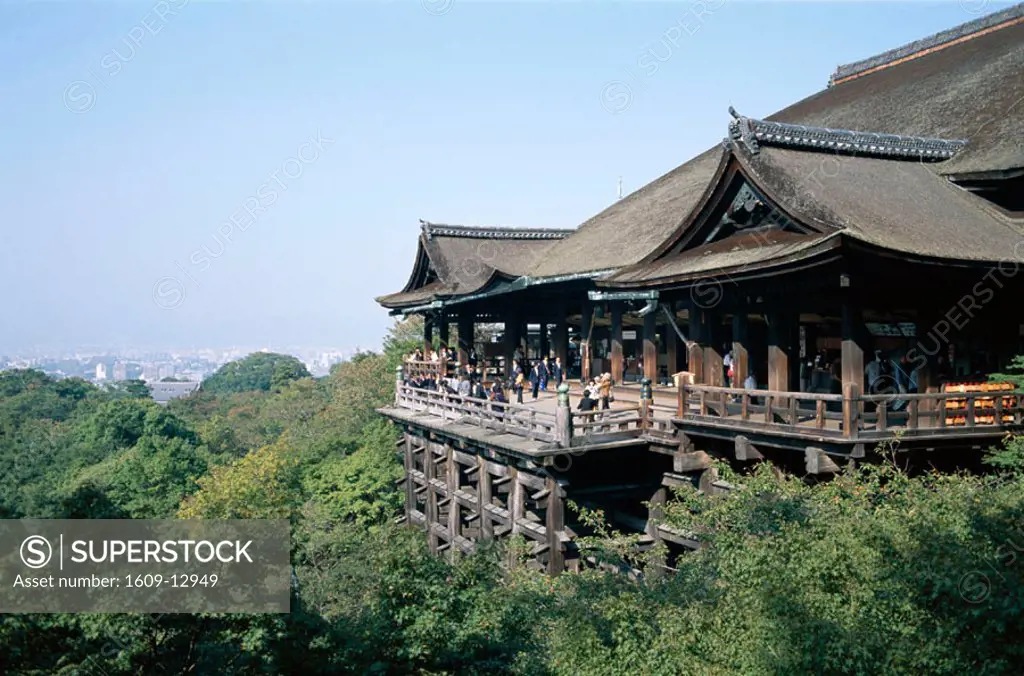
point(651, 346)
point(586, 322)
point(740, 354)
point(512, 328)
point(465, 328)
point(671, 349)
point(555, 526)
point(616, 341)
point(545, 346)
point(410, 483)
point(927, 364)
point(523, 339)
point(695, 350)
point(442, 331)
point(780, 349)
point(561, 340)
point(428, 334)
point(854, 335)
point(712, 344)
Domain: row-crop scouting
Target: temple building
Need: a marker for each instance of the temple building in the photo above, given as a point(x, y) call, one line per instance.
point(838, 275)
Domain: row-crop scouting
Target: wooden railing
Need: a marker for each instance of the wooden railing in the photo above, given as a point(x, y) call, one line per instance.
point(852, 414)
point(424, 369)
point(610, 420)
point(505, 418)
point(957, 412)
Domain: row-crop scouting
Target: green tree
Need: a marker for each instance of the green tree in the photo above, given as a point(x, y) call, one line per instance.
point(258, 371)
point(360, 488)
point(262, 485)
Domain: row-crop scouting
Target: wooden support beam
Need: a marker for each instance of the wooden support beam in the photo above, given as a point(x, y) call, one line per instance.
point(780, 350)
point(555, 524)
point(651, 346)
point(740, 344)
point(695, 348)
point(854, 336)
point(428, 335)
point(511, 341)
point(671, 350)
point(818, 462)
point(454, 510)
point(516, 503)
point(707, 481)
point(616, 341)
point(690, 462)
point(430, 473)
point(712, 344)
point(656, 511)
point(745, 450)
point(410, 486)
point(465, 328)
point(560, 338)
point(442, 331)
point(586, 326)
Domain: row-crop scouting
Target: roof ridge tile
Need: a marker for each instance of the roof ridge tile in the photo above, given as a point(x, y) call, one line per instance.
point(491, 232)
point(939, 40)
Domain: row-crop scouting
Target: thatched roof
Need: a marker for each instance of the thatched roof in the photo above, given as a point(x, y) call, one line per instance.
point(455, 260)
point(866, 158)
point(971, 89)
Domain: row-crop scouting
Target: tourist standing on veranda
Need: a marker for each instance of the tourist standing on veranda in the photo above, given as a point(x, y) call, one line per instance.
point(534, 379)
point(519, 385)
point(558, 372)
point(604, 389)
point(545, 374)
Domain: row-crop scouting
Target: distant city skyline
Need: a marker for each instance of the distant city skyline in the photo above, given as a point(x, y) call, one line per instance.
point(196, 173)
point(113, 366)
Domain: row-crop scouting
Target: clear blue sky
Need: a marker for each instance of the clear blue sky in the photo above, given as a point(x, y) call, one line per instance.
point(126, 152)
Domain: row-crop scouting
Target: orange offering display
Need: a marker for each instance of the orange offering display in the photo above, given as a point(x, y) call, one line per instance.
point(984, 407)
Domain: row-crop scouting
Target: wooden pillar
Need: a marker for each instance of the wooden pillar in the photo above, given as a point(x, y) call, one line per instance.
point(442, 330)
point(545, 346)
point(560, 338)
point(616, 341)
point(780, 350)
point(516, 501)
point(465, 328)
point(927, 364)
point(512, 328)
point(429, 473)
point(651, 346)
point(428, 334)
point(410, 485)
point(483, 498)
point(671, 345)
point(712, 344)
point(454, 509)
point(854, 335)
point(563, 418)
point(740, 355)
point(523, 339)
point(586, 324)
point(555, 525)
point(695, 349)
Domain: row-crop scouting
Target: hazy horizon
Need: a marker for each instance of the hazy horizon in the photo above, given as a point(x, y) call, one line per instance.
point(216, 174)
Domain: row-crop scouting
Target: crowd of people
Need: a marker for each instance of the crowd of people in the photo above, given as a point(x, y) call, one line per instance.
point(467, 379)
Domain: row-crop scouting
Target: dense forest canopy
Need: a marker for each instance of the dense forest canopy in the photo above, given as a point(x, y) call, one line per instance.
point(261, 371)
point(873, 572)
